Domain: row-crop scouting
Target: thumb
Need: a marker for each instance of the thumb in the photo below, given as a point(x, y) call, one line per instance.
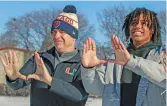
point(33, 76)
point(103, 61)
point(111, 60)
point(23, 77)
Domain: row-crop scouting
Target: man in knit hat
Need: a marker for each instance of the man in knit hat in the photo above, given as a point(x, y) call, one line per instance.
point(54, 75)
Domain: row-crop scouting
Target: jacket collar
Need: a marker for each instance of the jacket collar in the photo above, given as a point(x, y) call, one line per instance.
point(51, 55)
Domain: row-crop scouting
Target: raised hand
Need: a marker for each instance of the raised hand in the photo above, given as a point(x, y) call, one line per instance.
point(11, 66)
point(41, 73)
point(122, 55)
point(89, 58)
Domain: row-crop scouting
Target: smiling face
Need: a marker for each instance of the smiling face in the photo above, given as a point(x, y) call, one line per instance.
point(139, 31)
point(63, 41)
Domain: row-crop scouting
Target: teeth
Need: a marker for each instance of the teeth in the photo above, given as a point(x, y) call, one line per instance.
point(137, 32)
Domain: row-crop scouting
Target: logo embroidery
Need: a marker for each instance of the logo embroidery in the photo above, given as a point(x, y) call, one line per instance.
point(70, 73)
point(56, 24)
point(66, 19)
point(68, 70)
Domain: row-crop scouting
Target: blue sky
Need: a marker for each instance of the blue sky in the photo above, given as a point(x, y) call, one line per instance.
point(9, 9)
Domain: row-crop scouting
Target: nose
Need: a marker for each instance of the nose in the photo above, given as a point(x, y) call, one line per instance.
point(138, 25)
point(57, 35)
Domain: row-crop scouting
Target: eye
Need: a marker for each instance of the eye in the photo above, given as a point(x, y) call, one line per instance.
point(61, 31)
point(133, 22)
point(143, 23)
point(54, 32)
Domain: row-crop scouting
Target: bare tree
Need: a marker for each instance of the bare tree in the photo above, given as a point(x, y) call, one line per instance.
point(7, 40)
point(111, 21)
point(85, 29)
point(32, 30)
point(104, 51)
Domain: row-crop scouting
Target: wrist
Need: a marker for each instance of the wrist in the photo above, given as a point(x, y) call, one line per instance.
point(12, 78)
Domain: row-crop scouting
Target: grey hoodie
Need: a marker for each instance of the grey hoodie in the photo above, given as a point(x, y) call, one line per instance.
point(105, 80)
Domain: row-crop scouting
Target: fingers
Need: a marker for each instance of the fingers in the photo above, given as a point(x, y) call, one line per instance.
point(10, 56)
point(122, 46)
point(37, 59)
point(15, 59)
point(111, 60)
point(93, 45)
point(114, 42)
point(4, 64)
point(22, 76)
point(33, 76)
point(103, 61)
point(89, 45)
point(42, 63)
point(107, 60)
point(36, 56)
point(117, 44)
point(2, 61)
point(7, 59)
point(84, 49)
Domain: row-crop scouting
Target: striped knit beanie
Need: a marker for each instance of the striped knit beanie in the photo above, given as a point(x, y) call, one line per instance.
point(67, 21)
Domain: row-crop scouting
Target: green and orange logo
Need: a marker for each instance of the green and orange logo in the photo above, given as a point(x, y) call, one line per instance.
point(70, 73)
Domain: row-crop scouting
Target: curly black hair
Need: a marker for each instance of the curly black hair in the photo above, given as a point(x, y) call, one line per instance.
point(150, 18)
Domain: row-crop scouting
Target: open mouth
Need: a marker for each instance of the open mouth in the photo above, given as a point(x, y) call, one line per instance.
point(137, 33)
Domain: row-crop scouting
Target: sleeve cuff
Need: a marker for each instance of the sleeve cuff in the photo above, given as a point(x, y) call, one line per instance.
point(87, 72)
point(132, 63)
point(11, 81)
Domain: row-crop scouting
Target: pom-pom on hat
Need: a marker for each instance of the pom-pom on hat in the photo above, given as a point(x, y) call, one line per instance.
point(67, 21)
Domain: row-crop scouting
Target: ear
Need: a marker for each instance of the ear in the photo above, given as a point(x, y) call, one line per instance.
point(152, 31)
